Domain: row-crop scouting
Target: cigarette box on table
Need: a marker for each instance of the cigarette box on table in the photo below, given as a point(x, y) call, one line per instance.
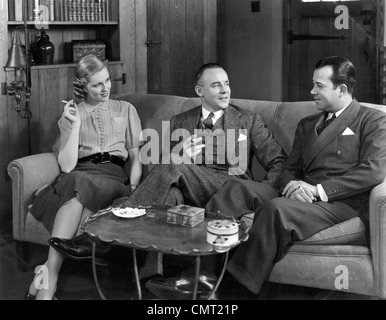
point(186, 216)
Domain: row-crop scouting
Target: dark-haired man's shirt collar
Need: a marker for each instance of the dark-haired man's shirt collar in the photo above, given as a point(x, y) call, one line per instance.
point(338, 113)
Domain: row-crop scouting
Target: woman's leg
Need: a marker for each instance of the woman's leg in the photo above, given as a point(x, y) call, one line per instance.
point(66, 225)
point(86, 213)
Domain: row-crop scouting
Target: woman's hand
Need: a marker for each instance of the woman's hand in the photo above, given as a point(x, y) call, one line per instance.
point(71, 113)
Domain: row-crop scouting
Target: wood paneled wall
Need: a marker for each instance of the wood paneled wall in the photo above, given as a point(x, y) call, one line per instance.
point(5, 186)
point(357, 43)
point(182, 37)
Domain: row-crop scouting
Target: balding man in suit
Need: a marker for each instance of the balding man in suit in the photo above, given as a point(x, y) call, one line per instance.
point(192, 179)
point(338, 157)
point(194, 184)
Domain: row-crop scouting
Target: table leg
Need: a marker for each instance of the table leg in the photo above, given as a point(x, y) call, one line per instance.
point(137, 274)
point(196, 277)
point(220, 277)
point(95, 272)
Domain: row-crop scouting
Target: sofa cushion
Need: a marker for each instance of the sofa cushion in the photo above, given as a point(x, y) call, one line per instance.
point(35, 231)
point(350, 232)
point(287, 117)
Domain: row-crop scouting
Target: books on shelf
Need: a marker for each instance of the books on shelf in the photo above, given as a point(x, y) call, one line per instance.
point(11, 10)
point(36, 10)
point(30, 10)
point(60, 10)
point(57, 16)
point(18, 10)
point(52, 10)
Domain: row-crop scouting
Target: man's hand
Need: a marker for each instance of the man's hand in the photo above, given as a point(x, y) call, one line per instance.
point(301, 191)
point(192, 147)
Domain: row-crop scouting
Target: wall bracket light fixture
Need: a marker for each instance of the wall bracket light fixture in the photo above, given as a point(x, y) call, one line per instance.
point(20, 89)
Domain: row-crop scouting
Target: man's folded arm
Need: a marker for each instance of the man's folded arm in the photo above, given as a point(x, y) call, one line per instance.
point(293, 167)
point(267, 151)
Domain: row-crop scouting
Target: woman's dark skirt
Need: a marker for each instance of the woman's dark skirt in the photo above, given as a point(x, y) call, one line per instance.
point(97, 185)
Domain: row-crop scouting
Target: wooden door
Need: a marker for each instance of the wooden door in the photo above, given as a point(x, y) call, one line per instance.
point(311, 34)
point(181, 37)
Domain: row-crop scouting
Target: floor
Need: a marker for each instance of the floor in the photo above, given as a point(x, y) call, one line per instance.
point(117, 282)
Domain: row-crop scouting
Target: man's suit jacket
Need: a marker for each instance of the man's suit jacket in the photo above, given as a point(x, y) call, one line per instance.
point(259, 140)
point(348, 158)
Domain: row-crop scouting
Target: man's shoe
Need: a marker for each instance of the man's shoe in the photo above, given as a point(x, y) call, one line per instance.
point(79, 248)
point(181, 287)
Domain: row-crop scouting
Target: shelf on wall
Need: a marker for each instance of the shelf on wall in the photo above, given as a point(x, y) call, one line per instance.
point(64, 65)
point(66, 23)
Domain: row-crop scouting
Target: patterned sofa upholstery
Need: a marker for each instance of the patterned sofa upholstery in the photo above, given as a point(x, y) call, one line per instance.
point(315, 262)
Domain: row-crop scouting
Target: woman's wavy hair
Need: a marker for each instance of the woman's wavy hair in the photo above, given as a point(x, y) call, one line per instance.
point(86, 67)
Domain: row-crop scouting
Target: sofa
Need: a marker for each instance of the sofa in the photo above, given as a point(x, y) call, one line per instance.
point(345, 257)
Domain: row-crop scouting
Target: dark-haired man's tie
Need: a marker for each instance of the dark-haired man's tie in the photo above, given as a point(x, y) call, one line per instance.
point(325, 124)
point(208, 122)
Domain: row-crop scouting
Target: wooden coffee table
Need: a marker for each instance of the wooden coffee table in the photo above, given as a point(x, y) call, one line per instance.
point(151, 232)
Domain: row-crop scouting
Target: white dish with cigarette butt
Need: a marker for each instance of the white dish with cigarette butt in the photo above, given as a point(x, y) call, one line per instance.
point(129, 212)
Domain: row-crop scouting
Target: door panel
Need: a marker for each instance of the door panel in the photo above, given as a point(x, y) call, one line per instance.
point(356, 43)
point(177, 45)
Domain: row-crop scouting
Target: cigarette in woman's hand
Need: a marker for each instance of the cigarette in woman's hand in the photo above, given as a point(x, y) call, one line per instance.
point(72, 112)
point(71, 102)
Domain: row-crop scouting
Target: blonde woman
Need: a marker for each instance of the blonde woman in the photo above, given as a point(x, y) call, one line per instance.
point(96, 138)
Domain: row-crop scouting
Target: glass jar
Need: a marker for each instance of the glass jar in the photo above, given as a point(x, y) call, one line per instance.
point(44, 50)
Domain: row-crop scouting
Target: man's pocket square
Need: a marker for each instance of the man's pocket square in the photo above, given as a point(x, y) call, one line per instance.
point(348, 132)
point(242, 137)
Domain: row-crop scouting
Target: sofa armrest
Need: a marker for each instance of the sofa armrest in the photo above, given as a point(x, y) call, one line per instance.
point(378, 237)
point(28, 174)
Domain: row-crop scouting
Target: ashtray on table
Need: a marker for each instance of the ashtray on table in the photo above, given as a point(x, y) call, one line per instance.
point(222, 233)
point(129, 212)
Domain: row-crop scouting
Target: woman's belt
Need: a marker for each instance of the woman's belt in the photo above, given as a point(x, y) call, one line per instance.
point(102, 158)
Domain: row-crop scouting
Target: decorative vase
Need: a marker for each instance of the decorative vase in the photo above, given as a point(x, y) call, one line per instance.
point(44, 50)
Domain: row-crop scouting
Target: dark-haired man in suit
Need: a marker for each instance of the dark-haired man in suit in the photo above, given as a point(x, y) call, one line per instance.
point(338, 157)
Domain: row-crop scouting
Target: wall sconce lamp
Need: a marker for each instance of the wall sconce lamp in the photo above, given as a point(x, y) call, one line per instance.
point(18, 62)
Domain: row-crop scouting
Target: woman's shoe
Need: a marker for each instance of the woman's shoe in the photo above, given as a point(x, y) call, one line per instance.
point(79, 248)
